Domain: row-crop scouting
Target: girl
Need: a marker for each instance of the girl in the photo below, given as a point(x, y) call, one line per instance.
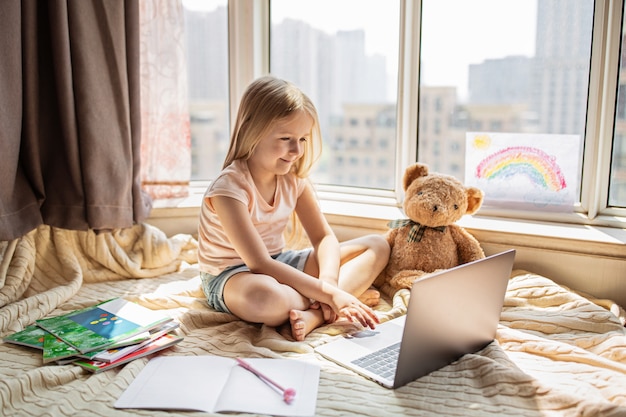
point(244, 268)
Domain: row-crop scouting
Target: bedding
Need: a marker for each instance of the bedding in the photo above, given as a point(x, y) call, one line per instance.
point(557, 352)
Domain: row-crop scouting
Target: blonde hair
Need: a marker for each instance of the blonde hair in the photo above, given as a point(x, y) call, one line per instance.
point(265, 101)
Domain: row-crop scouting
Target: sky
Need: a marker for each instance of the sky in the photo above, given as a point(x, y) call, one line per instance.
point(455, 33)
point(469, 35)
point(341, 17)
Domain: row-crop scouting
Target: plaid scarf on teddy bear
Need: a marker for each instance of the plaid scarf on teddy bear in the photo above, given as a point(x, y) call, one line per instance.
point(417, 230)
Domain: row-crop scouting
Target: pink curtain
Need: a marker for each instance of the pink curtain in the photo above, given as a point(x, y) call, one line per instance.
point(166, 138)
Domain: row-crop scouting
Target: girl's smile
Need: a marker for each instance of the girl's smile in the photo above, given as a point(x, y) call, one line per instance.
point(280, 148)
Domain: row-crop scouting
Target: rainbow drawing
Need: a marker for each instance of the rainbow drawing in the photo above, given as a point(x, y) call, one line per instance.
point(539, 167)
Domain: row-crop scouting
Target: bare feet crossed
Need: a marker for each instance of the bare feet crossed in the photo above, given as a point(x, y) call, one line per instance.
point(304, 322)
point(370, 297)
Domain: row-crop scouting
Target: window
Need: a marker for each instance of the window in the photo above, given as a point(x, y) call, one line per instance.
point(502, 62)
point(206, 41)
point(346, 61)
point(531, 67)
point(617, 186)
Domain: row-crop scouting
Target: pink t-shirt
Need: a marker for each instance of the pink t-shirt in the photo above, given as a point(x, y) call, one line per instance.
point(215, 252)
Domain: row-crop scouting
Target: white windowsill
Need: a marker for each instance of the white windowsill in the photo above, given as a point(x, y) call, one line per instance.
point(373, 217)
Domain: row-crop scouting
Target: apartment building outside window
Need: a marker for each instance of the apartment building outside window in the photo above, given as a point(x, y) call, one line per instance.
point(530, 68)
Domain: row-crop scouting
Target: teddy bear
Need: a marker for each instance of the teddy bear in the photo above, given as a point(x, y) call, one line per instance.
point(429, 240)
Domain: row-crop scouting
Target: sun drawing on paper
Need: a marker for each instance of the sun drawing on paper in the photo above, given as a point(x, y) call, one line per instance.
point(533, 163)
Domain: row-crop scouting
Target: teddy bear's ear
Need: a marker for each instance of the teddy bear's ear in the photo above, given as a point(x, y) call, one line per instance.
point(474, 199)
point(412, 172)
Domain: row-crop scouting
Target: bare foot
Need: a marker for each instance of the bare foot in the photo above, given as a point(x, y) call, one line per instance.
point(370, 297)
point(304, 322)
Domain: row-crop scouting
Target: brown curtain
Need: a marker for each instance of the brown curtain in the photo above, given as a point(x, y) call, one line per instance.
point(69, 115)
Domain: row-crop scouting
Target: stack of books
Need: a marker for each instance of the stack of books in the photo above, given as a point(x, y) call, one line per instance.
point(101, 336)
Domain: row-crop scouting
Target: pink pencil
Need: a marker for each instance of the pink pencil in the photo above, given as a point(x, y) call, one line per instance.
point(288, 394)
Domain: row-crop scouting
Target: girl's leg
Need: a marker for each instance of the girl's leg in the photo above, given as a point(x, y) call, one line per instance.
point(362, 259)
point(261, 299)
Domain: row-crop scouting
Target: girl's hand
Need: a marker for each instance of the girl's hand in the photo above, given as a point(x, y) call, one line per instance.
point(329, 315)
point(348, 306)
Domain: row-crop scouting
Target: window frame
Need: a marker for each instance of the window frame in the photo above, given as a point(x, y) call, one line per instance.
point(604, 77)
point(249, 51)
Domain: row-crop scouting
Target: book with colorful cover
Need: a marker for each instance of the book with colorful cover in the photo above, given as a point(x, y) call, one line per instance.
point(114, 354)
point(154, 346)
point(32, 336)
point(100, 326)
point(54, 349)
point(57, 350)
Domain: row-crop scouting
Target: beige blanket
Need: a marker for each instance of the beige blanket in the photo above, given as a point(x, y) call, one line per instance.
point(556, 353)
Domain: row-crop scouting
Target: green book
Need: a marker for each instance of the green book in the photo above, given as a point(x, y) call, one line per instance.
point(101, 326)
point(54, 349)
point(31, 336)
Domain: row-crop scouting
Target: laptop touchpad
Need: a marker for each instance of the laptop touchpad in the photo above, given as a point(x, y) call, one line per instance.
point(392, 334)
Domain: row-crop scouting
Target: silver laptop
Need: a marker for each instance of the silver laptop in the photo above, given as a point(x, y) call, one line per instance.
point(450, 313)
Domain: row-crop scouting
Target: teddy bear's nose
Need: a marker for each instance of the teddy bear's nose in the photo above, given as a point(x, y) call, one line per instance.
point(435, 208)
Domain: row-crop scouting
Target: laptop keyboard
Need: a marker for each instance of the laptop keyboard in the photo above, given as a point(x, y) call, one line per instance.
point(382, 362)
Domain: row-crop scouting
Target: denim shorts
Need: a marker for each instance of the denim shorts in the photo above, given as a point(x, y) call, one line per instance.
point(213, 285)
